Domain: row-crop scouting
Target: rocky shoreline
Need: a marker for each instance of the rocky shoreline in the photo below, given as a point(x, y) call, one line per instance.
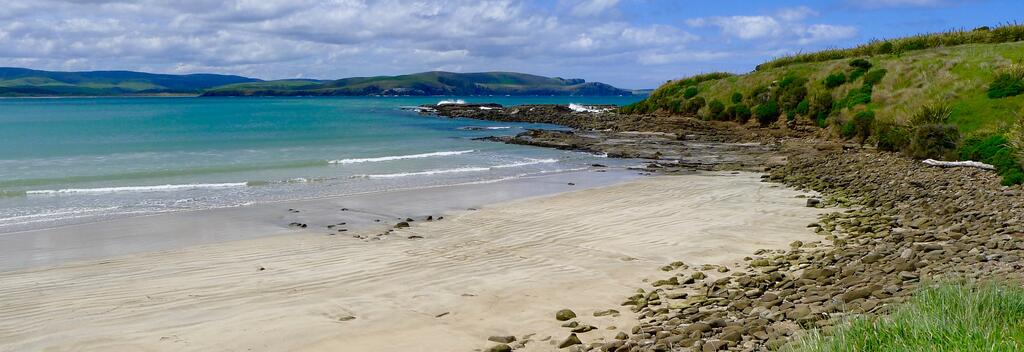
point(897, 224)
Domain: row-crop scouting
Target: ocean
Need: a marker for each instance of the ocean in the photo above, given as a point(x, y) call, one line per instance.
point(75, 160)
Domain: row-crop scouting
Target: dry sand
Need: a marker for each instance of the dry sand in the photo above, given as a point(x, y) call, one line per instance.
point(501, 270)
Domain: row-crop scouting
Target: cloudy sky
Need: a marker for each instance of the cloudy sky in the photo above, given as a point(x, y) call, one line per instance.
point(628, 43)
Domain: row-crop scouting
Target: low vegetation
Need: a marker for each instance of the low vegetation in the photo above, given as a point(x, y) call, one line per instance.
point(927, 96)
point(940, 317)
point(981, 35)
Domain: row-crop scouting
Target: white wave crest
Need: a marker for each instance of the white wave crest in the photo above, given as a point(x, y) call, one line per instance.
point(399, 157)
point(160, 188)
point(584, 108)
point(446, 102)
point(461, 169)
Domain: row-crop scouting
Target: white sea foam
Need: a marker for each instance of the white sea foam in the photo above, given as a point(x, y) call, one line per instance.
point(160, 188)
point(584, 108)
point(446, 102)
point(399, 157)
point(462, 169)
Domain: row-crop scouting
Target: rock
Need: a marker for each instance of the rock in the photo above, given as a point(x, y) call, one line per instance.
point(500, 348)
point(621, 336)
point(502, 339)
point(714, 345)
point(565, 314)
point(813, 202)
point(346, 318)
point(402, 224)
point(569, 341)
point(602, 313)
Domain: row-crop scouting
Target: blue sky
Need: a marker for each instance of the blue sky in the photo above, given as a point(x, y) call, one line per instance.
point(628, 43)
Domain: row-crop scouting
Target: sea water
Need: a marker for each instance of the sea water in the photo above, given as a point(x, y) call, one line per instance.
point(74, 160)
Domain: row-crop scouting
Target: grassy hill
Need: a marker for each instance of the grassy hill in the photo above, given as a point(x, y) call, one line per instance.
point(426, 83)
point(914, 95)
point(26, 82)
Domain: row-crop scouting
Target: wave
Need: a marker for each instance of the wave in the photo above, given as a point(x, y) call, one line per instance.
point(461, 169)
point(399, 157)
point(483, 128)
point(446, 102)
point(160, 188)
point(584, 108)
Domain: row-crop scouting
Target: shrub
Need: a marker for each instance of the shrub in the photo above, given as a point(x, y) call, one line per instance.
point(855, 75)
point(891, 137)
point(835, 80)
point(996, 150)
point(932, 114)
point(935, 141)
point(690, 92)
point(767, 113)
point(884, 48)
point(736, 97)
point(760, 94)
point(860, 64)
point(716, 108)
point(856, 97)
point(741, 113)
point(791, 96)
point(874, 77)
point(822, 104)
point(1007, 84)
point(693, 105)
point(860, 126)
point(803, 107)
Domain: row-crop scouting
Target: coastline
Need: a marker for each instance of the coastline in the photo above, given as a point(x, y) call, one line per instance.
point(501, 270)
point(162, 231)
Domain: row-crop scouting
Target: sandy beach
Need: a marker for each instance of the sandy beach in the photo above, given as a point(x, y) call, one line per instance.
point(503, 269)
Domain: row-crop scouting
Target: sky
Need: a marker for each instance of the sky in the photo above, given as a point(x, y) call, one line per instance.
point(626, 43)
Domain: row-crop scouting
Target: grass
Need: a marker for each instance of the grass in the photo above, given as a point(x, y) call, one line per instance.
point(938, 318)
point(1000, 34)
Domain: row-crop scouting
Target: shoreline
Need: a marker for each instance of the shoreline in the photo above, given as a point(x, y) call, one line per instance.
point(500, 270)
point(160, 231)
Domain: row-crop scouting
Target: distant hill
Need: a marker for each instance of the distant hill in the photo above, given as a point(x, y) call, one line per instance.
point(26, 82)
point(426, 83)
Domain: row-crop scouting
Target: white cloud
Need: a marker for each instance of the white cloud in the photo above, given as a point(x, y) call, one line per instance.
point(792, 14)
point(786, 25)
point(593, 7)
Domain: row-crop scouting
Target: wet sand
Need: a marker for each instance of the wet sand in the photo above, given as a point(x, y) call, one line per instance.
point(501, 270)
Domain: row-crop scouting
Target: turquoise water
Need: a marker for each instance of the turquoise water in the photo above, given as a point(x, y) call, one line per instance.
point(66, 161)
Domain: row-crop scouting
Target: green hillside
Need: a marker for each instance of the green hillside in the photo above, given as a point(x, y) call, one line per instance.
point(426, 83)
point(26, 82)
point(926, 100)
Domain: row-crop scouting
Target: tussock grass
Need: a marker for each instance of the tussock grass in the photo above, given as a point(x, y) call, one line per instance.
point(1010, 32)
point(940, 317)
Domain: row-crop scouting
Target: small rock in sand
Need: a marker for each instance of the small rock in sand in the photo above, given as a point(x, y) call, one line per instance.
point(402, 224)
point(500, 348)
point(502, 339)
point(569, 341)
point(565, 314)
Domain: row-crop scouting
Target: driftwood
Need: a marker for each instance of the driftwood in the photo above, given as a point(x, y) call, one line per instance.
point(976, 164)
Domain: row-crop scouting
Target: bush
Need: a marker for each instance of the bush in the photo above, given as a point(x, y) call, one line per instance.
point(884, 48)
point(767, 113)
point(803, 108)
point(996, 150)
point(860, 126)
point(856, 97)
point(891, 137)
point(740, 112)
point(690, 92)
point(716, 108)
point(874, 77)
point(856, 74)
point(860, 64)
point(932, 114)
point(1004, 86)
point(736, 98)
point(693, 105)
point(821, 106)
point(934, 141)
point(835, 80)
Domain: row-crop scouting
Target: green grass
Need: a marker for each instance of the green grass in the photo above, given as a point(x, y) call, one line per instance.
point(940, 317)
point(1000, 34)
